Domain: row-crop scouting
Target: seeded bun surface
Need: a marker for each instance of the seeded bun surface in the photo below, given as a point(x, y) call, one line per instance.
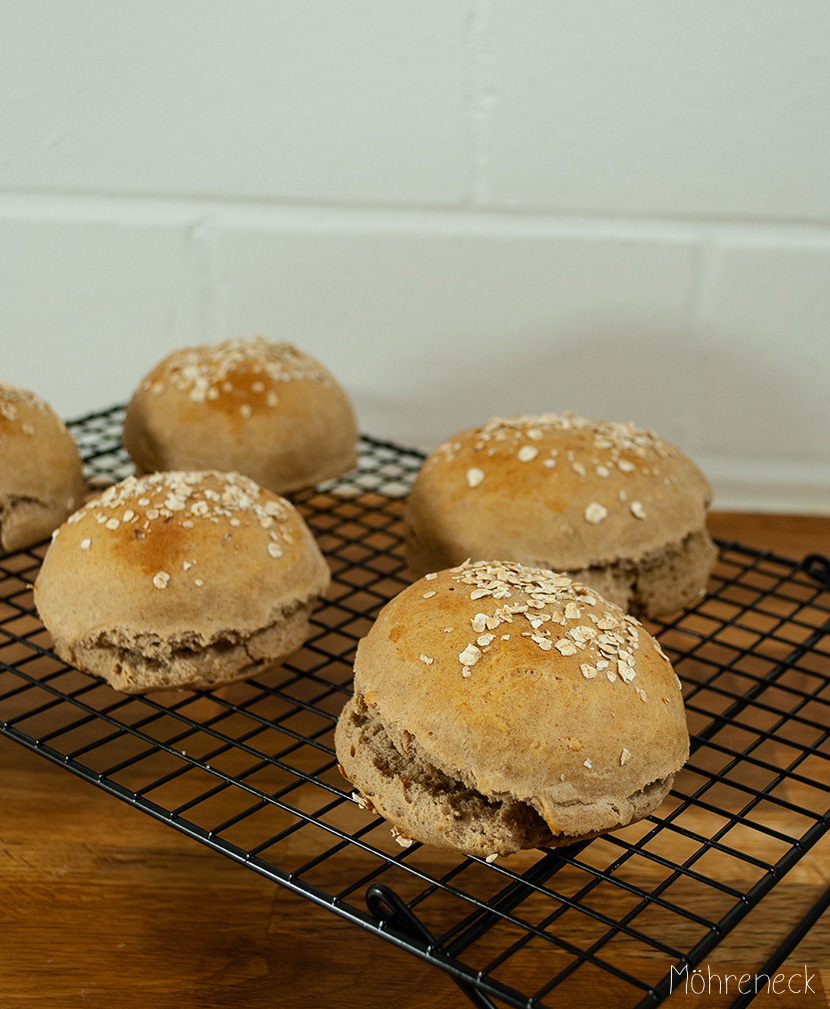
point(41, 474)
point(613, 505)
point(180, 580)
point(498, 707)
point(263, 409)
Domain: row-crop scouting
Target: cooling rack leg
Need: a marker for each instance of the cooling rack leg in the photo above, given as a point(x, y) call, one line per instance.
point(397, 918)
point(817, 566)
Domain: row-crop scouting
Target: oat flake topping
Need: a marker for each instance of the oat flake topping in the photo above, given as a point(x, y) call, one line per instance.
point(553, 612)
point(12, 398)
point(181, 497)
point(595, 513)
point(404, 840)
point(202, 372)
point(621, 447)
point(611, 436)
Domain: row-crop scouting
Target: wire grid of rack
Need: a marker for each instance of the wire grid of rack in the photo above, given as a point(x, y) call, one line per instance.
point(250, 771)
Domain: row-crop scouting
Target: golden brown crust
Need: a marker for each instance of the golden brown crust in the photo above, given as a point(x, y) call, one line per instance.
point(520, 683)
point(554, 490)
point(163, 568)
point(41, 473)
point(263, 409)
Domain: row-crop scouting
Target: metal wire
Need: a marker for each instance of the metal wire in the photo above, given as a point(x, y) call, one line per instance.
point(250, 771)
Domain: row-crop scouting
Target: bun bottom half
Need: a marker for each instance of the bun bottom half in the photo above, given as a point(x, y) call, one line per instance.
point(660, 582)
point(137, 663)
point(25, 521)
point(423, 802)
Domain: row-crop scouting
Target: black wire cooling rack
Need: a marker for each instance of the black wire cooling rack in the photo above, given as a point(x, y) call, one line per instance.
point(250, 771)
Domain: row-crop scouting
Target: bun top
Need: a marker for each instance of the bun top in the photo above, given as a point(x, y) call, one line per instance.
point(556, 490)
point(235, 373)
point(39, 456)
point(521, 681)
point(179, 553)
point(265, 409)
point(40, 468)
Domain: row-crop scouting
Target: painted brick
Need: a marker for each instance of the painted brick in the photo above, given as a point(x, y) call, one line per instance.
point(432, 332)
point(351, 101)
point(707, 109)
point(86, 307)
point(764, 344)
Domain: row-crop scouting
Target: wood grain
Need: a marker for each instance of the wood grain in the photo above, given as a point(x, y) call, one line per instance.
point(102, 905)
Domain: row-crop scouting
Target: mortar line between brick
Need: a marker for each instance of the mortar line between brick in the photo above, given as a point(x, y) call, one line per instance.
point(318, 216)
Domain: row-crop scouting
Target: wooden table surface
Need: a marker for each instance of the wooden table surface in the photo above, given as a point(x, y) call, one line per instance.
point(101, 905)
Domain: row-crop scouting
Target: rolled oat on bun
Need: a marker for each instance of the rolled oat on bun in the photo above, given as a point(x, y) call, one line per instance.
point(180, 580)
point(264, 409)
point(41, 473)
point(611, 504)
point(498, 707)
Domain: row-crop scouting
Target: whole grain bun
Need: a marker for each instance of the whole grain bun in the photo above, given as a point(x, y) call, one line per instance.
point(41, 474)
point(263, 409)
point(611, 504)
point(179, 580)
point(498, 707)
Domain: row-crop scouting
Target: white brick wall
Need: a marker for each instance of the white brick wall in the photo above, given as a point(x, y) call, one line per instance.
point(464, 207)
point(660, 107)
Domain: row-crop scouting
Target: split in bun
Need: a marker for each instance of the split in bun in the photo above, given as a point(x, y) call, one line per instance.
point(611, 504)
point(41, 473)
point(498, 707)
point(180, 580)
point(264, 409)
